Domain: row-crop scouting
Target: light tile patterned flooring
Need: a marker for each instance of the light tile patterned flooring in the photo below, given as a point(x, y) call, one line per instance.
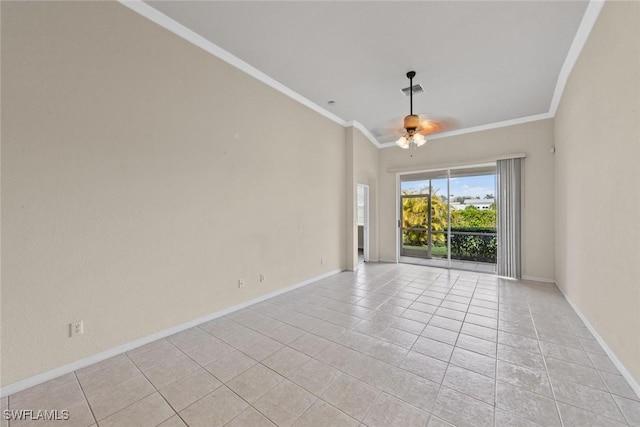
point(481, 267)
point(393, 345)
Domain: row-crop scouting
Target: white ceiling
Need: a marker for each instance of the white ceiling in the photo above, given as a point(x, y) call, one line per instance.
point(479, 62)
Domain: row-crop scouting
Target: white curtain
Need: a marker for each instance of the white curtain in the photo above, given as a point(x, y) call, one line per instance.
point(509, 189)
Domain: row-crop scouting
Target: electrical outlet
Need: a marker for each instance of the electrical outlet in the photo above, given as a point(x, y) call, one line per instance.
point(240, 283)
point(261, 278)
point(76, 328)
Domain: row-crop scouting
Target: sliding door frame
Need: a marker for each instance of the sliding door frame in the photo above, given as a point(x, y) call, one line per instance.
point(446, 170)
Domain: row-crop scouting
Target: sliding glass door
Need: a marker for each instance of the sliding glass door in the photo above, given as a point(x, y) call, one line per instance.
point(448, 218)
point(424, 217)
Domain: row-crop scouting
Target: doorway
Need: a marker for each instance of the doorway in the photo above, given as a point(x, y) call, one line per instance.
point(362, 222)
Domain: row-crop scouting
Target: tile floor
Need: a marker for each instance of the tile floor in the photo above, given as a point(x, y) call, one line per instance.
point(393, 345)
point(481, 267)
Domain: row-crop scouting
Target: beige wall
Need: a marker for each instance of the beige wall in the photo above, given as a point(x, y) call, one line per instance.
point(534, 139)
point(141, 178)
point(597, 190)
point(362, 168)
point(351, 236)
point(366, 158)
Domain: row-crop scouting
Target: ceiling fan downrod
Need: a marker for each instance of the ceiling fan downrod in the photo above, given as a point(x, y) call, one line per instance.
point(411, 121)
point(411, 75)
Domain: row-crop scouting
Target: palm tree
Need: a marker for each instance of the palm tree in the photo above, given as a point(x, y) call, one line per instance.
point(432, 223)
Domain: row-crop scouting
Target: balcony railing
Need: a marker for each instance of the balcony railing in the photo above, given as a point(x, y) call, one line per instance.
point(467, 244)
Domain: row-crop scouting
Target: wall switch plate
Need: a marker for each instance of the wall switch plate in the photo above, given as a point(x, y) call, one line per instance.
point(76, 328)
point(240, 283)
point(261, 278)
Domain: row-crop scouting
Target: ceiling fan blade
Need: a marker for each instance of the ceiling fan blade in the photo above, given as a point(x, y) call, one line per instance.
point(396, 133)
point(430, 126)
point(395, 128)
point(392, 128)
point(413, 125)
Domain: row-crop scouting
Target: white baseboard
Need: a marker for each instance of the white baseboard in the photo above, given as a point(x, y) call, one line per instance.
point(618, 364)
point(539, 279)
point(74, 366)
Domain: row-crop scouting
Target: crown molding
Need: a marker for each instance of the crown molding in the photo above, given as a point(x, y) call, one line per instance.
point(586, 25)
point(472, 163)
point(489, 126)
point(584, 29)
point(356, 124)
point(191, 36)
point(495, 125)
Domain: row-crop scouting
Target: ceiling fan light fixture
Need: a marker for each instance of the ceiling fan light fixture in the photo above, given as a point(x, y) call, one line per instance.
point(419, 140)
point(403, 142)
point(414, 140)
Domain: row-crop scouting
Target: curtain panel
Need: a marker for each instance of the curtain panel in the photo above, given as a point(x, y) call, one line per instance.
point(509, 179)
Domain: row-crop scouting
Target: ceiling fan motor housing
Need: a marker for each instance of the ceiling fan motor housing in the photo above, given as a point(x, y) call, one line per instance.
point(411, 122)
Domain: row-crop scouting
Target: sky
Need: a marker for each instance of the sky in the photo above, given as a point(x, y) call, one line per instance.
point(474, 186)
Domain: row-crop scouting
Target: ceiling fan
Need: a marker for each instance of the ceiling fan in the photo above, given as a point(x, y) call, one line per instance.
point(416, 127)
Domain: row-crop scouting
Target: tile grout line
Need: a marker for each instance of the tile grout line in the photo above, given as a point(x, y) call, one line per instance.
point(437, 394)
point(348, 374)
point(130, 404)
point(607, 386)
point(154, 386)
point(223, 384)
point(576, 364)
point(544, 362)
point(426, 324)
point(396, 283)
point(95, 419)
point(555, 358)
point(495, 382)
point(441, 385)
point(454, 346)
point(496, 359)
point(364, 354)
point(380, 391)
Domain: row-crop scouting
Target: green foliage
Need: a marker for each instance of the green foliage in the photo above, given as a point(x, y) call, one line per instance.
point(466, 247)
point(474, 217)
point(474, 247)
point(415, 215)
